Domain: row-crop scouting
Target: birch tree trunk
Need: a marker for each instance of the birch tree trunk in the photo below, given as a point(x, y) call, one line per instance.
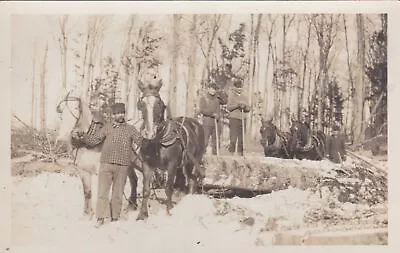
point(43, 90)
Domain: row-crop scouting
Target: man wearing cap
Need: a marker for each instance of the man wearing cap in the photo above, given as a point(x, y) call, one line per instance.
point(336, 146)
point(238, 106)
point(210, 109)
point(117, 154)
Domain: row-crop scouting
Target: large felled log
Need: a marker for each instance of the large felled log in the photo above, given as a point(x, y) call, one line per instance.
point(352, 182)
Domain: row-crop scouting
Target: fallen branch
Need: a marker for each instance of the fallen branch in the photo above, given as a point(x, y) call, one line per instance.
point(368, 161)
point(369, 140)
point(23, 123)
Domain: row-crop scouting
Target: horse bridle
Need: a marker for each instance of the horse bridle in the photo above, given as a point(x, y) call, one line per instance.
point(65, 100)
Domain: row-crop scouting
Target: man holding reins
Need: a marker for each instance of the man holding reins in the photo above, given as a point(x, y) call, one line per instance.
point(119, 140)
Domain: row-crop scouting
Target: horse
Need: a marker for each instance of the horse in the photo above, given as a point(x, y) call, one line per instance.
point(175, 146)
point(75, 113)
point(304, 144)
point(274, 142)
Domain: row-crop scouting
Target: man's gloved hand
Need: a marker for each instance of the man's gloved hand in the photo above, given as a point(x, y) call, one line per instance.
point(77, 133)
point(98, 117)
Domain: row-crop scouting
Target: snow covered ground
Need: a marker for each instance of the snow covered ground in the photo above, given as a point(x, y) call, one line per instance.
point(47, 211)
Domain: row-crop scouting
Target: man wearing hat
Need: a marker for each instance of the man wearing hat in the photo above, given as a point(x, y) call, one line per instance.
point(238, 106)
point(212, 118)
point(336, 146)
point(117, 153)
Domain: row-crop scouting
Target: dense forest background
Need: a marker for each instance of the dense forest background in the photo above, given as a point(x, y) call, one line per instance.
point(325, 68)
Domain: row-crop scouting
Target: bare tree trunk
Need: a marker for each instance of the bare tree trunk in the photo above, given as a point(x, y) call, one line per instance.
point(350, 90)
point(85, 93)
point(63, 49)
point(216, 27)
point(269, 86)
point(358, 98)
point(325, 28)
point(33, 97)
point(174, 66)
point(43, 91)
point(128, 84)
point(191, 84)
point(305, 59)
point(250, 78)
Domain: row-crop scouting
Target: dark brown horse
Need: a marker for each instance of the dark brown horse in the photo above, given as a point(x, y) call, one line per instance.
point(274, 142)
point(304, 144)
point(176, 146)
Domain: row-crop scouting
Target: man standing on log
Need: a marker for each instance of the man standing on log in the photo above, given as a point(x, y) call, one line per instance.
point(116, 156)
point(336, 146)
point(238, 106)
point(210, 108)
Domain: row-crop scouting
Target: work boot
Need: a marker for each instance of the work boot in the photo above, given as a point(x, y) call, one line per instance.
point(114, 219)
point(99, 223)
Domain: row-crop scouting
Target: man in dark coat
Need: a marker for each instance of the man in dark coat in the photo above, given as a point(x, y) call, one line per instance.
point(336, 146)
point(238, 106)
point(117, 153)
point(210, 108)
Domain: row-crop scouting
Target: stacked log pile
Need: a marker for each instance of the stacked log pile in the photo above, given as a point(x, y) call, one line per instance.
point(352, 181)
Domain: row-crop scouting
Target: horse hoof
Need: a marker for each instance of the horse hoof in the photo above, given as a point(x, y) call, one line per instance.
point(132, 207)
point(142, 216)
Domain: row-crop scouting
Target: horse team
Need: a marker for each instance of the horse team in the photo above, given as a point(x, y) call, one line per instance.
point(175, 146)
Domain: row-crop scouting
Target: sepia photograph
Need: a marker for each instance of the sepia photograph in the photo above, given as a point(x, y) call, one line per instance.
point(199, 131)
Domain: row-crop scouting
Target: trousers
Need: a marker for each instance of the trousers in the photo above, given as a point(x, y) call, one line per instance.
point(111, 175)
point(210, 131)
point(236, 135)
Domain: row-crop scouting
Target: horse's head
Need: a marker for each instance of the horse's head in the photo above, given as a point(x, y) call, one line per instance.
point(69, 110)
point(268, 132)
point(299, 133)
point(152, 108)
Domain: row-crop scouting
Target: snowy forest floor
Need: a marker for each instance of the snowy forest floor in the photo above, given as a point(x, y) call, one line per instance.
point(47, 204)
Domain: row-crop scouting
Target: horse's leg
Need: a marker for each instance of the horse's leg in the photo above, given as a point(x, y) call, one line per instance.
point(169, 188)
point(147, 179)
point(86, 179)
point(192, 177)
point(133, 182)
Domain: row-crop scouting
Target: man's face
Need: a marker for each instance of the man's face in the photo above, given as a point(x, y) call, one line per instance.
point(119, 117)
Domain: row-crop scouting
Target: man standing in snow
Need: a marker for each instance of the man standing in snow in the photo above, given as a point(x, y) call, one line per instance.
point(212, 117)
point(238, 106)
point(117, 154)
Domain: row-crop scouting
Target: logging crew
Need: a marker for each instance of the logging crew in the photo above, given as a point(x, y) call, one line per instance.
point(119, 140)
point(336, 146)
point(210, 108)
point(238, 106)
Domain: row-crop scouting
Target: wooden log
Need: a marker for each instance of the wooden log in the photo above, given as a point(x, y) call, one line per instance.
point(352, 183)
